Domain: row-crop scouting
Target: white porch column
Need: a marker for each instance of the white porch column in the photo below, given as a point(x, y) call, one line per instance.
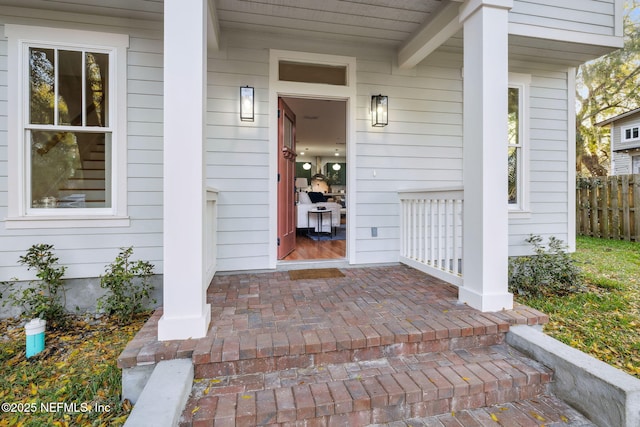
point(186, 313)
point(485, 235)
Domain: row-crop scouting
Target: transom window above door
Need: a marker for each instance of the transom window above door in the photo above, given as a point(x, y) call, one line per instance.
point(312, 73)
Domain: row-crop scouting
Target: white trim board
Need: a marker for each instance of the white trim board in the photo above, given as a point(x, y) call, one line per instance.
point(346, 93)
point(19, 214)
point(535, 31)
point(571, 159)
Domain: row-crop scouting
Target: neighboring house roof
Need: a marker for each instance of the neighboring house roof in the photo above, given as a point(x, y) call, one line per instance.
point(618, 117)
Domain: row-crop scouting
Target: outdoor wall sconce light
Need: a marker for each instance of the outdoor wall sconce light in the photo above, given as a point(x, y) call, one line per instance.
point(379, 110)
point(336, 167)
point(306, 166)
point(246, 104)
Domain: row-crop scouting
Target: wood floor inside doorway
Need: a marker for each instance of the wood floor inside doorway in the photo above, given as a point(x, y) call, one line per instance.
point(307, 249)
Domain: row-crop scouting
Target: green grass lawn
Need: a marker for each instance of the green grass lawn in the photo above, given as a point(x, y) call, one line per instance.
point(77, 368)
point(604, 321)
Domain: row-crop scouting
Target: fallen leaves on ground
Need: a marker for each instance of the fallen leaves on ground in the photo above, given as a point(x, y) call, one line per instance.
point(604, 320)
point(74, 381)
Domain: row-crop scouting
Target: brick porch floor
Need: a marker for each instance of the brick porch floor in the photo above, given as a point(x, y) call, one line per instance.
point(381, 344)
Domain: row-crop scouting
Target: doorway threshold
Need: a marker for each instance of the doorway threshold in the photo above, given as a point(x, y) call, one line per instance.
point(312, 263)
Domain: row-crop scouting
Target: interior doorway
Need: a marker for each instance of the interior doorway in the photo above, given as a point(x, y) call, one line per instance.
point(320, 179)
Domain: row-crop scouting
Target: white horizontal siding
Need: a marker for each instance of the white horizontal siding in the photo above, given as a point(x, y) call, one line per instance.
point(420, 148)
point(622, 160)
point(237, 157)
point(548, 159)
point(86, 251)
point(616, 136)
point(622, 163)
point(585, 16)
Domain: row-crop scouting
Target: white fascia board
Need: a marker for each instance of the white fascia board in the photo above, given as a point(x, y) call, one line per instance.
point(430, 36)
point(535, 31)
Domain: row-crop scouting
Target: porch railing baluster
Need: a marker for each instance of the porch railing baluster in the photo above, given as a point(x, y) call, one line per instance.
point(420, 230)
point(414, 245)
point(431, 231)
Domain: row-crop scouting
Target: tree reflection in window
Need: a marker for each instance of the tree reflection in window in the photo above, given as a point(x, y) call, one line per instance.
point(59, 99)
point(95, 83)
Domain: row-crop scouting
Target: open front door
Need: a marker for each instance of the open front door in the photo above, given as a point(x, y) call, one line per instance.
point(286, 180)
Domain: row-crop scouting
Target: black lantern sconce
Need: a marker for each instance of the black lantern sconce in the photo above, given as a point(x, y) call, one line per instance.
point(379, 110)
point(246, 104)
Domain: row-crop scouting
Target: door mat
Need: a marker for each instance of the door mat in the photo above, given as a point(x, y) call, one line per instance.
point(315, 273)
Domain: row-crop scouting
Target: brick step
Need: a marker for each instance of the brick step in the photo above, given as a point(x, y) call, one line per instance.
point(238, 351)
point(371, 391)
point(248, 352)
point(268, 322)
point(542, 410)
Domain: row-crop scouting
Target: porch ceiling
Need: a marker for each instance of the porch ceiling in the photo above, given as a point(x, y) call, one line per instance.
point(387, 22)
point(405, 25)
point(133, 9)
point(380, 22)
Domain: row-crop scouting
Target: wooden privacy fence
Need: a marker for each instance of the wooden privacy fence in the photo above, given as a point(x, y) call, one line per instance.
point(609, 207)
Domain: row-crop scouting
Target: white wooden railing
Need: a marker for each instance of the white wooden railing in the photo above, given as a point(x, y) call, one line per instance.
point(431, 232)
point(211, 233)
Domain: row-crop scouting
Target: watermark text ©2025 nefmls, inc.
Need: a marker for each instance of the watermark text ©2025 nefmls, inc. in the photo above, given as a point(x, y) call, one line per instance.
point(54, 407)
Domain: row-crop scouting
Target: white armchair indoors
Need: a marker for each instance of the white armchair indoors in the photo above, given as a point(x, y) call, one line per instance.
point(306, 203)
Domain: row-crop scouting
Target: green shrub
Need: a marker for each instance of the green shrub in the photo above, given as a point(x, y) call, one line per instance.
point(550, 271)
point(44, 298)
point(129, 287)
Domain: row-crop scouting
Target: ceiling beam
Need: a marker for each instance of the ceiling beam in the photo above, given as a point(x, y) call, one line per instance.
point(213, 28)
point(430, 36)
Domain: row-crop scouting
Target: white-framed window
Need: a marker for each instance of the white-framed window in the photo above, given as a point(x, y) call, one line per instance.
point(630, 133)
point(67, 132)
point(518, 143)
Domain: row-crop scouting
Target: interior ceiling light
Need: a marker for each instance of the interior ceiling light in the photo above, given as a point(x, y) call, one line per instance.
point(306, 166)
point(336, 167)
